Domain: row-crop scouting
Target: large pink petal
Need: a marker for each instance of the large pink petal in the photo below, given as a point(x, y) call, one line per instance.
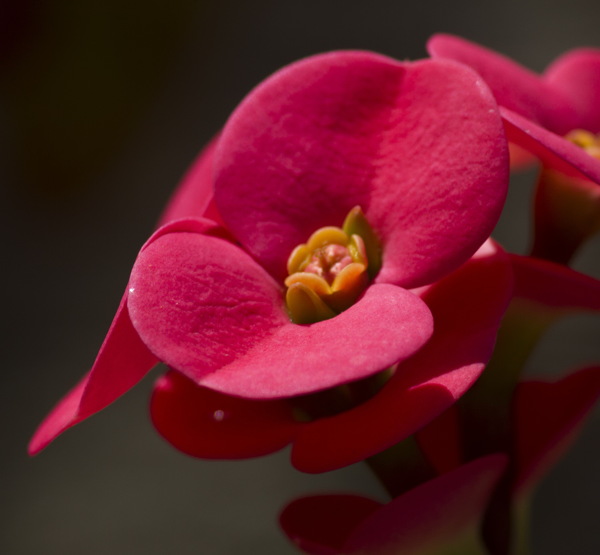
point(194, 196)
point(514, 86)
point(418, 146)
point(553, 150)
point(433, 516)
point(123, 360)
point(207, 424)
point(467, 308)
point(320, 524)
point(205, 308)
point(546, 420)
point(554, 285)
point(577, 75)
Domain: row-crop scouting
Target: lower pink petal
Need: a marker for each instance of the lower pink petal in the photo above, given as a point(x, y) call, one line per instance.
point(467, 308)
point(210, 425)
point(429, 518)
point(205, 308)
point(387, 325)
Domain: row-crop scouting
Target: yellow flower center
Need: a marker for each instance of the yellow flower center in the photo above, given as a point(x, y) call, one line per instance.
point(586, 140)
point(330, 271)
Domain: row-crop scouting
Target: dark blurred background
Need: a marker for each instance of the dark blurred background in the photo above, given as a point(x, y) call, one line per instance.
point(103, 104)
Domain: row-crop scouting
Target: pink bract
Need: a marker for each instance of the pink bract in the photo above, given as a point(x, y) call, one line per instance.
point(419, 146)
point(434, 517)
point(539, 109)
point(545, 415)
point(467, 307)
point(416, 145)
point(549, 416)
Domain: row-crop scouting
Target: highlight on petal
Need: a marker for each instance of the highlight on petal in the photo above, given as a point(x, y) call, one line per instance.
point(467, 308)
point(349, 129)
point(547, 417)
point(123, 361)
point(514, 86)
point(207, 424)
point(440, 516)
point(205, 308)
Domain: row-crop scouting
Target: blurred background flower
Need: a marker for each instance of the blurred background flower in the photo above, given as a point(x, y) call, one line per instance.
point(103, 107)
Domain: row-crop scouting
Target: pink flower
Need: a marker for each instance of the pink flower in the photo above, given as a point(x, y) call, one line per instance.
point(546, 418)
point(544, 413)
point(439, 516)
point(541, 417)
point(539, 110)
point(419, 147)
point(466, 306)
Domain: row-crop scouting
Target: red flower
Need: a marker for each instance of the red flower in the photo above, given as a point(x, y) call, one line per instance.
point(419, 147)
point(539, 110)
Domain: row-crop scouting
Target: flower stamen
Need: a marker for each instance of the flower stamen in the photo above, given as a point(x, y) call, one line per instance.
point(330, 271)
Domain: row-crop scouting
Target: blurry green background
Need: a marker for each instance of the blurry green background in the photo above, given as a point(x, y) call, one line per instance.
point(103, 104)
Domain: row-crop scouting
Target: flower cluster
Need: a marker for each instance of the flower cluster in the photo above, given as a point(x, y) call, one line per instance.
point(324, 278)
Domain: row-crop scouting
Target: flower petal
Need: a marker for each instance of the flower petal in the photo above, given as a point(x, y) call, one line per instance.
point(207, 424)
point(433, 517)
point(467, 308)
point(205, 308)
point(320, 524)
point(547, 417)
point(554, 285)
point(514, 86)
point(123, 360)
point(438, 515)
point(350, 129)
point(577, 75)
point(198, 301)
point(553, 150)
